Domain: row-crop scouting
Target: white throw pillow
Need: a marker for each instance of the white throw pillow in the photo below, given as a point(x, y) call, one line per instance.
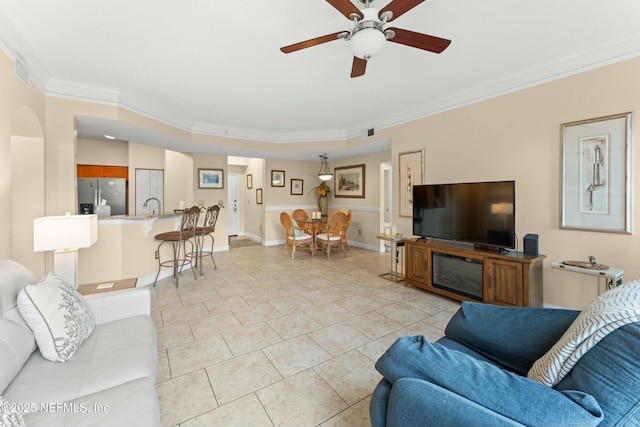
point(9, 415)
point(58, 316)
point(610, 311)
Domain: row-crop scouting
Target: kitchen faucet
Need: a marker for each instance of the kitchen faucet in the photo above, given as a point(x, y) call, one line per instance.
point(153, 212)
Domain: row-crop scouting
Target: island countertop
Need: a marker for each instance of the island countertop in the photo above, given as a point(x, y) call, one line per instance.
point(147, 220)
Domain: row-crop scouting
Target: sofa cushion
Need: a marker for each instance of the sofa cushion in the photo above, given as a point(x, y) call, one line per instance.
point(505, 393)
point(117, 352)
point(9, 414)
point(17, 341)
point(133, 404)
point(610, 311)
point(610, 372)
point(515, 337)
point(58, 316)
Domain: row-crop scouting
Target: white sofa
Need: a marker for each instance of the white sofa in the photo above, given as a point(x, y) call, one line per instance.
point(110, 381)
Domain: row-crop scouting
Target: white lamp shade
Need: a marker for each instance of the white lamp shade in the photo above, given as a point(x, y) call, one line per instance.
point(367, 43)
point(51, 233)
point(502, 208)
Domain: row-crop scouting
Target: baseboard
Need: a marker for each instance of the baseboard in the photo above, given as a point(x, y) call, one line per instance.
point(166, 271)
point(148, 280)
point(253, 237)
point(374, 248)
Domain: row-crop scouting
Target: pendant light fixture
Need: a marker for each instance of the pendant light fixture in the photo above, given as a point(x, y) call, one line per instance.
point(325, 173)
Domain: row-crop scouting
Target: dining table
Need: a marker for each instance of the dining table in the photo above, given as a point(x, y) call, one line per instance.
point(313, 227)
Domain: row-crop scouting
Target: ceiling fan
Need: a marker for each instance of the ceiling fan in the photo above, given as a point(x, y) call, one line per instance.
point(367, 34)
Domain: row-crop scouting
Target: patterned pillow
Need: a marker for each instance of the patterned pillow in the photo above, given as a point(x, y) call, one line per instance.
point(610, 311)
point(58, 316)
point(9, 417)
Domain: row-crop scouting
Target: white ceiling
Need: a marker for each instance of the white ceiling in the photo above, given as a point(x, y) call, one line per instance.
point(214, 67)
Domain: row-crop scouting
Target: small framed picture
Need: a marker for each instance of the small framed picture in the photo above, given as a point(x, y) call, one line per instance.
point(249, 182)
point(277, 178)
point(296, 187)
point(211, 178)
point(259, 196)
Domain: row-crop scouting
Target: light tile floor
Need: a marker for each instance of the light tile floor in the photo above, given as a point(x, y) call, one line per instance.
point(269, 341)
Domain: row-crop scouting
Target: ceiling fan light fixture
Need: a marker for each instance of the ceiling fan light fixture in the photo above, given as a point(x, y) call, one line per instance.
point(367, 43)
point(325, 173)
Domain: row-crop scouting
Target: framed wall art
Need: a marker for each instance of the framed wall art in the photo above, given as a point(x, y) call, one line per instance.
point(277, 178)
point(259, 196)
point(249, 181)
point(349, 181)
point(211, 178)
point(296, 187)
point(411, 169)
point(596, 174)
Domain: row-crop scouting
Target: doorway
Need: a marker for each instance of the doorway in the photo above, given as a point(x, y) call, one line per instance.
point(233, 196)
point(386, 202)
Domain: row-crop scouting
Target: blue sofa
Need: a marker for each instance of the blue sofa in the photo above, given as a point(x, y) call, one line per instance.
point(477, 374)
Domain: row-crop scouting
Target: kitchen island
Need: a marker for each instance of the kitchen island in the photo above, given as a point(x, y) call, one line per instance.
point(126, 247)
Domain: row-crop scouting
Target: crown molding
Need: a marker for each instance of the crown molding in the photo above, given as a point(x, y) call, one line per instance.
point(515, 82)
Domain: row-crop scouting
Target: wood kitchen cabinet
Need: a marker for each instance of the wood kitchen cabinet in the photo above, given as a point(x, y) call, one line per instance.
point(470, 274)
point(99, 171)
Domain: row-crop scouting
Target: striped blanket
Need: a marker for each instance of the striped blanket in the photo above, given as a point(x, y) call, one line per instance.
point(610, 311)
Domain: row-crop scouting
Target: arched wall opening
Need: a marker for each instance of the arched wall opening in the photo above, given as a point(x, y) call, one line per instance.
point(27, 187)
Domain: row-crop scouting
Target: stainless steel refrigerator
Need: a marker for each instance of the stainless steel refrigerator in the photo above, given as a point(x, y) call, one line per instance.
point(92, 191)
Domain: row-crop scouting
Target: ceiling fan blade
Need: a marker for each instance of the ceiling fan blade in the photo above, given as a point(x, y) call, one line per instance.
point(311, 42)
point(359, 66)
point(418, 40)
point(346, 8)
point(399, 7)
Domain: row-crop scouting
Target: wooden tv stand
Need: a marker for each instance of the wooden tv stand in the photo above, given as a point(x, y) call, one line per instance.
point(510, 278)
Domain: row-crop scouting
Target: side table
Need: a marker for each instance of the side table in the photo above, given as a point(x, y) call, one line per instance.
point(397, 251)
point(101, 287)
point(612, 276)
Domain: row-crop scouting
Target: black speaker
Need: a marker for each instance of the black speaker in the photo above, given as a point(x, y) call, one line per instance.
point(531, 244)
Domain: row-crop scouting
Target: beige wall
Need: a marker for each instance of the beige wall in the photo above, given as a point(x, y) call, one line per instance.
point(22, 120)
point(95, 152)
point(515, 136)
point(253, 212)
point(366, 211)
point(208, 197)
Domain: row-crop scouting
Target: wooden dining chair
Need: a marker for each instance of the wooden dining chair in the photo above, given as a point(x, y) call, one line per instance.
point(295, 236)
point(333, 234)
point(348, 213)
point(300, 215)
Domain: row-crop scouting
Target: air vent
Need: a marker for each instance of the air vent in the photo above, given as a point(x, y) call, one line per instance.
point(21, 70)
point(366, 133)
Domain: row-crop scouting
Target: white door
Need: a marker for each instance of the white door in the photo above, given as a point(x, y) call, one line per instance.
point(233, 195)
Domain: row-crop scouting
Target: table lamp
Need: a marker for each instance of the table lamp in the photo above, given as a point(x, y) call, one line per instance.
point(65, 235)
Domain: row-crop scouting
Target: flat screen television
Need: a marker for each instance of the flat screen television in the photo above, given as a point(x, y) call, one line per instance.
point(482, 213)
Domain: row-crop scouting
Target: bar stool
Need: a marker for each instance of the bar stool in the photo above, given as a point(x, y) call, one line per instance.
point(178, 240)
point(207, 229)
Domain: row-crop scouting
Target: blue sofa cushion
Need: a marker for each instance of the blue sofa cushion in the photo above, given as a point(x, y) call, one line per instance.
point(610, 372)
point(407, 408)
point(515, 337)
point(505, 393)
